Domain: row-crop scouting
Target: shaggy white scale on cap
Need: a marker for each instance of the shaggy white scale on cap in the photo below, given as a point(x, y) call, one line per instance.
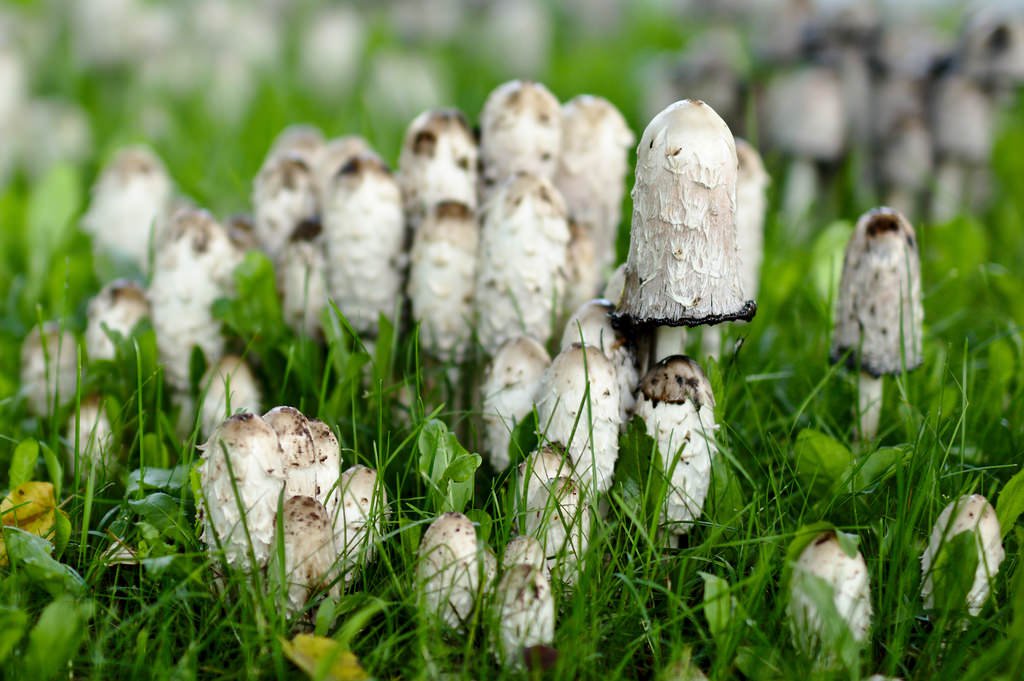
point(522, 269)
point(879, 315)
point(332, 157)
point(520, 132)
point(508, 391)
point(308, 550)
point(448, 569)
point(526, 613)
point(360, 518)
point(129, 206)
point(847, 576)
point(967, 514)
point(283, 197)
point(683, 265)
point(193, 268)
point(327, 465)
point(299, 451)
point(117, 308)
point(678, 410)
point(230, 372)
point(49, 368)
point(751, 206)
point(302, 278)
point(91, 432)
point(257, 471)
point(438, 162)
point(523, 550)
point(442, 276)
point(592, 170)
point(558, 516)
point(587, 426)
point(364, 231)
point(591, 324)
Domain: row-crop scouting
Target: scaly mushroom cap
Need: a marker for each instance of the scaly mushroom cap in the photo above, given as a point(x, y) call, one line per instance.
point(130, 205)
point(117, 308)
point(558, 516)
point(583, 271)
point(245, 395)
point(967, 514)
point(308, 549)
point(302, 278)
point(284, 195)
point(847, 575)
point(438, 162)
point(359, 518)
point(522, 268)
point(538, 469)
point(442, 275)
point(364, 231)
point(300, 139)
point(526, 613)
point(257, 471)
point(49, 368)
point(333, 156)
point(804, 114)
point(523, 550)
point(328, 465)
point(520, 132)
point(991, 48)
point(678, 410)
point(578, 408)
point(905, 155)
point(299, 451)
point(94, 438)
point(508, 392)
point(448, 569)
point(683, 266)
point(962, 120)
point(751, 206)
point(879, 316)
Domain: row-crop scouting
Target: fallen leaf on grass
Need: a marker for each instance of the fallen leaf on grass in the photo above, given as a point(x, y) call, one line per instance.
point(324, 659)
point(31, 507)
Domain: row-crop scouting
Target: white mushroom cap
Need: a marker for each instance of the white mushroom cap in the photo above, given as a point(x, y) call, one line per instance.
point(591, 324)
point(678, 409)
point(879, 316)
point(523, 550)
point(508, 392)
point(751, 206)
point(615, 285)
point(905, 155)
point(300, 139)
point(49, 368)
point(583, 267)
point(962, 119)
point(683, 266)
point(229, 371)
point(967, 514)
point(257, 468)
point(442, 277)
point(284, 195)
point(847, 575)
point(308, 549)
point(117, 308)
point(90, 429)
point(538, 469)
point(558, 516)
point(438, 162)
point(299, 451)
point(302, 278)
point(588, 427)
point(804, 113)
point(991, 48)
point(522, 267)
point(526, 613)
point(448, 569)
point(129, 207)
point(333, 156)
point(520, 131)
point(328, 465)
point(359, 519)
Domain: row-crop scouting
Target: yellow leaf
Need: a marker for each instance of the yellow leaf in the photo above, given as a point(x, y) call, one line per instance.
point(31, 507)
point(323, 659)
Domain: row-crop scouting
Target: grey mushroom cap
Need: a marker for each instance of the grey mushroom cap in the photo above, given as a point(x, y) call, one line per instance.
point(991, 48)
point(683, 267)
point(879, 315)
point(677, 379)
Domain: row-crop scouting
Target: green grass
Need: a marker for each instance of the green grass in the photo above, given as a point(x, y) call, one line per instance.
point(954, 426)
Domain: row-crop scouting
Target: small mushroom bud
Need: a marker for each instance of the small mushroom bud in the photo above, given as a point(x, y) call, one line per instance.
point(442, 274)
point(360, 518)
point(678, 409)
point(328, 465)
point(308, 550)
point(49, 368)
point(129, 206)
point(879, 316)
point(193, 269)
point(523, 550)
point(448, 570)
point(302, 278)
point(967, 514)
point(229, 387)
point(847, 576)
point(299, 451)
point(243, 455)
point(522, 267)
point(509, 390)
point(559, 517)
point(283, 196)
point(592, 171)
point(520, 132)
point(116, 309)
point(438, 162)
point(91, 440)
point(526, 613)
point(364, 230)
point(333, 156)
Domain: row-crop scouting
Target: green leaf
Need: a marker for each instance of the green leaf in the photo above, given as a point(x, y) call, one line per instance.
point(254, 312)
point(56, 638)
point(953, 572)
point(61, 532)
point(23, 463)
point(163, 512)
point(54, 468)
point(169, 480)
point(1010, 503)
point(30, 555)
point(821, 461)
point(463, 466)
point(717, 606)
point(13, 623)
point(877, 466)
point(446, 467)
point(828, 639)
point(52, 205)
point(483, 521)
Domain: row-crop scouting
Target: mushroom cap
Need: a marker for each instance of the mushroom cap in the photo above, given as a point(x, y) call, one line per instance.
point(299, 139)
point(962, 120)
point(299, 450)
point(879, 316)
point(508, 393)
point(118, 307)
point(676, 380)
point(541, 467)
point(523, 550)
point(94, 437)
point(972, 513)
point(358, 518)
point(991, 47)
point(245, 392)
point(438, 162)
point(526, 612)
point(804, 113)
point(308, 548)
point(683, 264)
point(583, 265)
point(284, 195)
point(558, 515)
point(328, 464)
point(333, 156)
point(49, 367)
point(302, 278)
point(448, 569)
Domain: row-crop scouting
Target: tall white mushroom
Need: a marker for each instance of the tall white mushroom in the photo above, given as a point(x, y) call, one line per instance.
point(116, 309)
point(879, 315)
point(526, 613)
point(228, 386)
point(309, 551)
point(364, 230)
point(90, 438)
point(678, 410)
point(332, 157)
point(521, 270)
point(971, 514)
point(448, 570)
point(302, 278)
point(283, 197)
point(559, 517)
point(49, 368)
point(508, 392)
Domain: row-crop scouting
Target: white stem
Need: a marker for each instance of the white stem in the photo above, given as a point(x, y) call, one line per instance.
point(669, 340)
point(711, 342)
point(869, 406)
point(948, 192)
point(801, 189)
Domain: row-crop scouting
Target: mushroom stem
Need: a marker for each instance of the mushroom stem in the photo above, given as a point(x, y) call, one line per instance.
point(947, 194)
point(801, 188)
point(711, 342)
point(869, 405)
point(668, 341)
